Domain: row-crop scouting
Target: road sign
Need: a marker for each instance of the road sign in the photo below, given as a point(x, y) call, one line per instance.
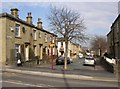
point(51, 45)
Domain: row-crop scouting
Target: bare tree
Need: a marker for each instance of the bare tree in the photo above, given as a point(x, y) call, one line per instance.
point(68, 24)
point(99, 44)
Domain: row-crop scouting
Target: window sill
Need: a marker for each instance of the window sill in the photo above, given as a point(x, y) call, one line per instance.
point(18, 37)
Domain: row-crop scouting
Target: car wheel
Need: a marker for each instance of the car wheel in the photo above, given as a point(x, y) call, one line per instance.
point(57, 63)
point(84, 64)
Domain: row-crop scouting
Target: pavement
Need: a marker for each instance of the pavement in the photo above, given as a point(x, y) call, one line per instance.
point(46, 70)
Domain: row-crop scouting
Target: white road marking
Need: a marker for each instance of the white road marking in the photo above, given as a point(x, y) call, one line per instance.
point(19, 83)
point(70, 76)
point(45, 85)
point(14, 80)
point(9, 75)
point(26, 84)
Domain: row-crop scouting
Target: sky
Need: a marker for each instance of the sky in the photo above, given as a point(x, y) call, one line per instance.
point(98, 16)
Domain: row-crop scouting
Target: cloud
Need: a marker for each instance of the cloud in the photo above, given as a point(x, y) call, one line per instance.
point(98, 16)
point(60, 1)
point(6, 5)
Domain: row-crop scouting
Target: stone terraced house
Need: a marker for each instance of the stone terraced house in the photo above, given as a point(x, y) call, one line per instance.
point(32, 42)
point(113, 38)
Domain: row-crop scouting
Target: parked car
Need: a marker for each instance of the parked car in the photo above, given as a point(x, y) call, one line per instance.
point(110, 60)
point(60, 60)
point(80, 55)
point(71, 60)
point(89, 61)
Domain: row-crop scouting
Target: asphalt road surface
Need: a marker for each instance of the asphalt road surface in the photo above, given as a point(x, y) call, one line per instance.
point(77, 65)
point(11, 79)
point(26, 80)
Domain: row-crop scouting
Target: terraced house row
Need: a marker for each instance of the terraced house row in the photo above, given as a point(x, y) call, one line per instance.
point(32, 42)
point(113, 38)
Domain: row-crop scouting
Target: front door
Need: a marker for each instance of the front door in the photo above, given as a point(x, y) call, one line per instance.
point(26, 52)
point(40, 51)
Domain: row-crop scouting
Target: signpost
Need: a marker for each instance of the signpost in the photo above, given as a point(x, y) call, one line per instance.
point(51, 46)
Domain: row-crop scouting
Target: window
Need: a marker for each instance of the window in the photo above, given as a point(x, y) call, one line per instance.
point(35, 50)
point(35, 35)
point(53, 39)
point(46, 50)
point(23, 29)
point(17, 49)
point(117, 27)
point(61, 43)
point(17, 30)
point(45, 37)
point(39, 35)
point(117, 35)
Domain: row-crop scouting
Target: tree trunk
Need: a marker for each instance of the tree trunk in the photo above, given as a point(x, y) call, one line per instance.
point(66, 53)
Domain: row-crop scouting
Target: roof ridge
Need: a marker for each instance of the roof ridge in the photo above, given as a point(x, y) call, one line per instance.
point(5, 14)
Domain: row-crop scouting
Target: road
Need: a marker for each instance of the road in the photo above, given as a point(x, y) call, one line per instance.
point(26, 80)
point(77, 65)
point(11, 79)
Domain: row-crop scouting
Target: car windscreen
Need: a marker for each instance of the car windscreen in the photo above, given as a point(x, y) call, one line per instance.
point(89, 58)
point(61, 58)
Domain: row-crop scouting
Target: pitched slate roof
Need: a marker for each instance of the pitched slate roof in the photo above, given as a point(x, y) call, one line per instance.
point(2, 15)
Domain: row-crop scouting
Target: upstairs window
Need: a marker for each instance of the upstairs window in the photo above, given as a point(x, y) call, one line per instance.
point(45, 37)
point(17, 30)
point(117, 31)
point(53, 40)
point(39, 35)
point(35, 35)
point(117, 27)
point(23, 29)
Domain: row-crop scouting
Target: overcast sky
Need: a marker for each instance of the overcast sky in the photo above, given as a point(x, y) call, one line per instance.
point(98, 16)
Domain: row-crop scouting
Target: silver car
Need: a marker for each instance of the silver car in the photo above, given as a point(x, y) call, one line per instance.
point(89, 61)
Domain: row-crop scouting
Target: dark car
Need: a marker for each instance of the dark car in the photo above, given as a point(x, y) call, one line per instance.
point(60, 60)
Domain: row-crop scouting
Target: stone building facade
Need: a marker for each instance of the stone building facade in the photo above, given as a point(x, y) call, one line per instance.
point(113, 38)
point(32, 42)
point(73, 49)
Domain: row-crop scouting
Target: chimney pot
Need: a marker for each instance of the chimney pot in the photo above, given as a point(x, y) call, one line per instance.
point(30, 14)
point(14, 12)
point(29, 18)
point(39, 23)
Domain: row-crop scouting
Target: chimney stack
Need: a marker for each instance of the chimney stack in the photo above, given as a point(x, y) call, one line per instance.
point(39, 23)
point(14, 12)
point(29, 18)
